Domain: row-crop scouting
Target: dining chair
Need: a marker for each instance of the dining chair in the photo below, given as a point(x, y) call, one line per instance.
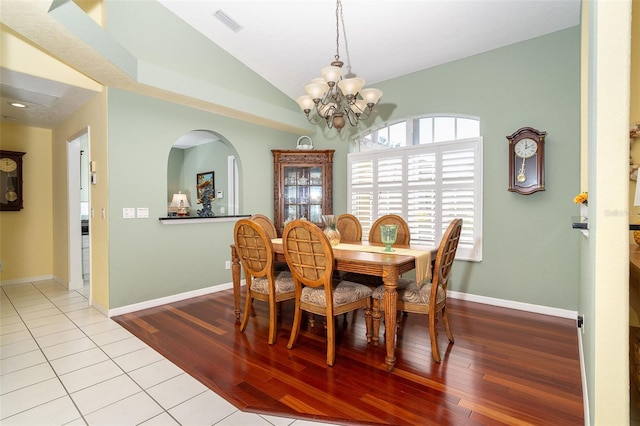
point(349, 228)
point(266, 224)
point(255, 252)
point(428, 298)
point(310, 259)
point(272, 233)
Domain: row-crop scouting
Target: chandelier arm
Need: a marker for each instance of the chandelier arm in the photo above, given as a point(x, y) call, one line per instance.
point(351, 117)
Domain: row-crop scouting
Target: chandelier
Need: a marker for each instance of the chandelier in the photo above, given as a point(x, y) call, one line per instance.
point(334, 99)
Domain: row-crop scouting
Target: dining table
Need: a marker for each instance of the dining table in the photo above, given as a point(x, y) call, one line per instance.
point(364, 258)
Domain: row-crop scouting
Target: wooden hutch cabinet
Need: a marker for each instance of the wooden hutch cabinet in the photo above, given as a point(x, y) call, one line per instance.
point(302, 185)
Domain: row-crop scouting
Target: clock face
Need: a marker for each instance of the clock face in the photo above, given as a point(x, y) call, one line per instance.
point(8, 165)
point(525, 148)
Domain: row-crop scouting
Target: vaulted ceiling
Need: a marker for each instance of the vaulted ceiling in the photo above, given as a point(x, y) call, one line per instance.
point(288, 42)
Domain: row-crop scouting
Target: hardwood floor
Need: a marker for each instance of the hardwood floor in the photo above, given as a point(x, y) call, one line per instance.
point(505, 367)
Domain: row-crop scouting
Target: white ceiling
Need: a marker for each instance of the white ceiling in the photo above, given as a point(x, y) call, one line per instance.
point(288, 42)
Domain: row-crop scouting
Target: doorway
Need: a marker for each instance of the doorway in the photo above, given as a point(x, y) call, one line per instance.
point(79, 208)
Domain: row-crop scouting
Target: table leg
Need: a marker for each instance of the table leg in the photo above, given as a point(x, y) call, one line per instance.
point(235, 276)
point(390, 279)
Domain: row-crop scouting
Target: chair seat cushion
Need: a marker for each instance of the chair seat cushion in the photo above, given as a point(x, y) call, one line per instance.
point(284, 283)
point(409, 292)
point(343, 293)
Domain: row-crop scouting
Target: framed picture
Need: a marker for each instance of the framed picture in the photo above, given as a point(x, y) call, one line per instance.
point(205, 181)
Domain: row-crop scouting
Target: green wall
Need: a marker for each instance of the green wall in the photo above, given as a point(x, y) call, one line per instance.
point(148, 259)
point(530, 251)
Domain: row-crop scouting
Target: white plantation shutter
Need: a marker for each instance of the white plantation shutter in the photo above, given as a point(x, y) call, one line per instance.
point(429, 185)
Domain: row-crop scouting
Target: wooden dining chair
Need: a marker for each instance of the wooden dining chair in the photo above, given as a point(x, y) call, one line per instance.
point(310, 259)
point(349, 228)
point(266, 224)
point(429, 298)
point(272, 233)
point(255, 252)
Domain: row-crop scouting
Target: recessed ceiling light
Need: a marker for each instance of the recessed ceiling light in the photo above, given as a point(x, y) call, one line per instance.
point(17, 105)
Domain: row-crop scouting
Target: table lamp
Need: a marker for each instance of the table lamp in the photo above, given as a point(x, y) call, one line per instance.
point(180, 201)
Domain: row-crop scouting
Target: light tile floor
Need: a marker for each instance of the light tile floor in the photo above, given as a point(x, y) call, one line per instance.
point(64, 363)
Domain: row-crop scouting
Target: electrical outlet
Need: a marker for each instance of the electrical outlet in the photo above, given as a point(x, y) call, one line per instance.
point(227, 264)
point(1, 265)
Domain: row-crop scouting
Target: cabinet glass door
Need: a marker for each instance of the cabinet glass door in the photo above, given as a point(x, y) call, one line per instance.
point(303, 193)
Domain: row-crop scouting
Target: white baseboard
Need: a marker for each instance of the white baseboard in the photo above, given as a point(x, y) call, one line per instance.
point(528, 307)
point(26, 280)
point(169, 299)
point(103, 310)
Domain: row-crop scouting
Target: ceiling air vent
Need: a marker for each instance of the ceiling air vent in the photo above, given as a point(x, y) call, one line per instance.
point(225, 19)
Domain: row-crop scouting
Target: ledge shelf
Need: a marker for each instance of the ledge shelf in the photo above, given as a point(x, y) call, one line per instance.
point(176, 220)
point(582, 223)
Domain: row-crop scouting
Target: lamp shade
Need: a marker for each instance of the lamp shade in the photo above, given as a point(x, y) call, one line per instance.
point(316, 90)
point(351, 86)
point(305, 102)
point(371, 95)
point(331, 74)
point(177, 198)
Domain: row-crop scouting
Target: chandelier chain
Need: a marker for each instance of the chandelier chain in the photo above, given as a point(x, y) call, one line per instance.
point(338, 14)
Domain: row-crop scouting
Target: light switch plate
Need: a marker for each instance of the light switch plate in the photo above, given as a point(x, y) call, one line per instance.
point(143, 212)
point(128, 213)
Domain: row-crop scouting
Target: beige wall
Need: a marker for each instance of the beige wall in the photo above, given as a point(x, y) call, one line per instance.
point(92, 116)
point(27, 235)
point(18, 55)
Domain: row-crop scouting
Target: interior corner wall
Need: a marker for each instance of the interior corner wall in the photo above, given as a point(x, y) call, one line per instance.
point(93, 117)
point(27, 235)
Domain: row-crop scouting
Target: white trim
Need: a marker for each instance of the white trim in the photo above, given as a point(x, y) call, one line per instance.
point(583, 373)
point(169, 299)
point(528, 307)
point(27, 280)
point(100, 308)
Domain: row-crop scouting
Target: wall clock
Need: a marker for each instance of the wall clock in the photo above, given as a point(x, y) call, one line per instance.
point(526, 161)
point(11, 180)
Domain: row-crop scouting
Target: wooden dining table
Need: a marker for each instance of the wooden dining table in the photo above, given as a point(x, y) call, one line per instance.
point(389, 266)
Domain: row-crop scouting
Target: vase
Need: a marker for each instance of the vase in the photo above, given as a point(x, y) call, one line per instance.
point(331, 229)
point(584, 211)
point(388, 235)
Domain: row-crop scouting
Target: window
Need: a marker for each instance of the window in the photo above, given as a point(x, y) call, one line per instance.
point(429, 182)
